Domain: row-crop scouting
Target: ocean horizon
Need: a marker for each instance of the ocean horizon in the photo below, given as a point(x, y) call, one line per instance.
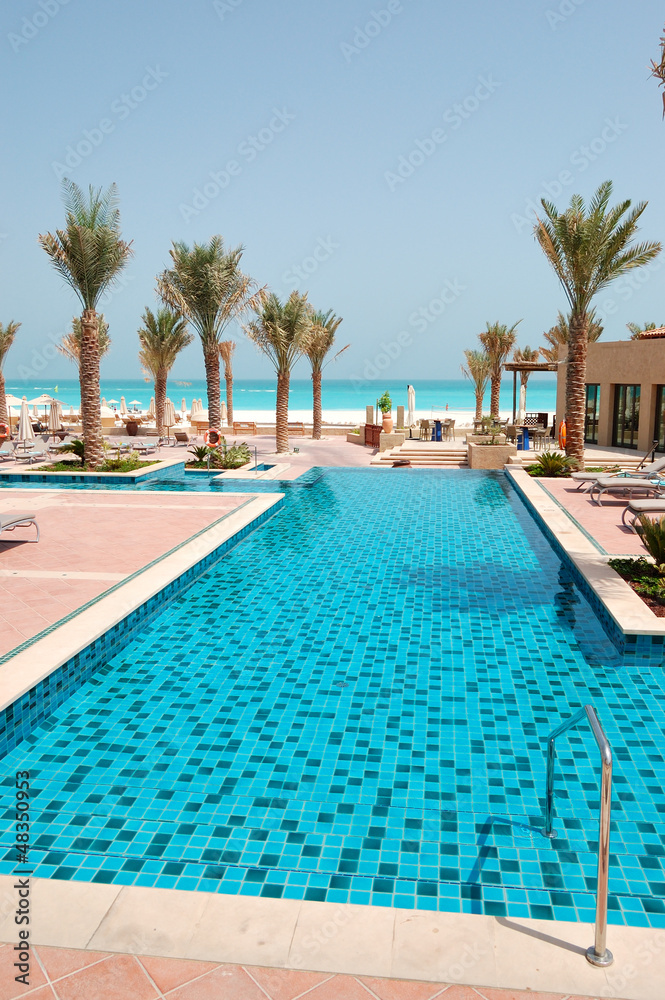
point(341, 396)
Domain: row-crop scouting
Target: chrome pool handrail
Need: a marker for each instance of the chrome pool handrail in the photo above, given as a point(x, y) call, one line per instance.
point(598, 954)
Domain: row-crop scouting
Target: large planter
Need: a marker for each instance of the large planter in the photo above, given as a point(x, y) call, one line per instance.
point(485, 439)
point(132, 428)
point(490, 456)
point(387, 423)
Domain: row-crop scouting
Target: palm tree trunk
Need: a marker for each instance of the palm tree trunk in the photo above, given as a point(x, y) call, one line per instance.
point(161, 377)
point(479, 403)
point(495, 397)
point(4, 419)
point(89, 381)
point(282, 412)
point(211, 359)
point(576, 388)
point(316, 405)
point(228, 376)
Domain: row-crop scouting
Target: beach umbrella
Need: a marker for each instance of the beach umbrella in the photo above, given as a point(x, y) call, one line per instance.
point(411, 398)
point(183, 408)
point(54, 418)
point(25, 431)
point(11, 401)
point(151, 409)
point(111, 402)
point(200, 402)
point(135, 403)
point(104, 403)
point(123, 407)
point(195, 409)
point(223, 414)
point(521, 413)
point(35, 412)
point(169, 416)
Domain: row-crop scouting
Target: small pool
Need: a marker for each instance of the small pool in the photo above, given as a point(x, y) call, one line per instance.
point(351, 706)
point(262, 467)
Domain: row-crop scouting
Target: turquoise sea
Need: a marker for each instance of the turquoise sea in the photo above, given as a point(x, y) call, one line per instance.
point(338, 394)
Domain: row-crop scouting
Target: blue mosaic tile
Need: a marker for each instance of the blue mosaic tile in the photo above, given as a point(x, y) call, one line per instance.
point(351, 705)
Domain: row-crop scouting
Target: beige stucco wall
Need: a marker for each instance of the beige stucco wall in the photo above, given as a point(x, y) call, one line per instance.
point(630, 362)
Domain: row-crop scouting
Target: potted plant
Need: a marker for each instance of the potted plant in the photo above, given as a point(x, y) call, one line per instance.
point(386, 406)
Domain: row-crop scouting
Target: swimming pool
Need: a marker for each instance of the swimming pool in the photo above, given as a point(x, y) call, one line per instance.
point(350, 706)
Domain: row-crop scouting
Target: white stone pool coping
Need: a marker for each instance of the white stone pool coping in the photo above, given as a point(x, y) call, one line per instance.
point(331, 937)
point(629, 611)
point(30, 666)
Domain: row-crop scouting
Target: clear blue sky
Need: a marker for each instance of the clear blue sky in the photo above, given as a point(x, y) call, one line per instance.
point(315, 105)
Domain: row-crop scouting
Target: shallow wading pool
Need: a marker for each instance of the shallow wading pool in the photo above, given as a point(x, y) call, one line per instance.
point(351, 706)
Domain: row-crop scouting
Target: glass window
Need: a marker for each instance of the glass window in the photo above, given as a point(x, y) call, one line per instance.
point(591, 414)
point(626, 416)
point(659, 423)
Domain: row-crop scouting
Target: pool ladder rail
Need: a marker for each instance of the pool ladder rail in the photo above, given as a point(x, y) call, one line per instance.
point(598, 954)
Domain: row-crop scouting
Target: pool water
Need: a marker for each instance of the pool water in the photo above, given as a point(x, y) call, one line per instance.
point(351, 706)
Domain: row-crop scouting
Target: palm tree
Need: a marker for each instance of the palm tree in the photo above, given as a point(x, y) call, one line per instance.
point(70, 345)
point(588, 248)
point(319, 341)
point(280, 332)
point(7, 334)
point(636, 330)
point(226, 349)
point(658, 69)
point(498, 341)
point(205, 284)
point(560, 334)
point(478, 369)
point(162, 337)
point(89, 254)
point(528, 354)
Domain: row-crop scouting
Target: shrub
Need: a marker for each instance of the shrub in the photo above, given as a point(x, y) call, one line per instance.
point(653, 538)
point(76, 447)
point(552, 464)
point(200, 452)
point(385, 403)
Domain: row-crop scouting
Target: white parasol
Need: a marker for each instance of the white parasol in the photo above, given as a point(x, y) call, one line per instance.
point(123, 407)
point(104, 403)
point(223, 414)
point(411, 397)
point(521, 413)
point(151, 408)
point(135, 403)
point(55, 418)
point(25, 431)
point(169, 416)
point(183, 408)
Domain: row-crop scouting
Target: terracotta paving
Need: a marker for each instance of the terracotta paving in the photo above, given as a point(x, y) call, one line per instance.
point(602, 523)
point(65, 974)
point(99, 537)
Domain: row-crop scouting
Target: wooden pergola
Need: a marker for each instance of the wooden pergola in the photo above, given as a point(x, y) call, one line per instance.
point(527, 366)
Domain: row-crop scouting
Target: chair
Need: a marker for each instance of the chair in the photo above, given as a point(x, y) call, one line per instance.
point(638, 507)
point(144, 447)
point(30, 455)
point(588, 478)
point(182, 437)
point(425, 430)
point(624, 485)
point(7, 451)
point(19, 519)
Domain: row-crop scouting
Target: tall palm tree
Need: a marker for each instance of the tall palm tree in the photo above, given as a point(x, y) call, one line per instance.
point(7, 334)
point(70, 344)
point(205, 284)
point(588, 248)
point(658, 69)
point(498, 341)
point(226, 349)
point(319, 341)
point(559, 334)
point(478, 370)
point(527, 354)
point(162, 337)
point(636, 330)
point(89, 254)
point(280, 332)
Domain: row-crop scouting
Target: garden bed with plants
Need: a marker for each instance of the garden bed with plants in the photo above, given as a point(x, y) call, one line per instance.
point(645, 579)
point(114, 461)
point(222, 456)
point(554, 465)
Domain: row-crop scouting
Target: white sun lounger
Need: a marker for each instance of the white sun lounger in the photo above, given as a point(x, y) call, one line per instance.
point(634, 508)
point(625, 486)
point(18, 519)
point(588, 478)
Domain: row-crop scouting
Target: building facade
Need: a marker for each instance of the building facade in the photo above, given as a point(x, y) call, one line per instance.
point(625, 393)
